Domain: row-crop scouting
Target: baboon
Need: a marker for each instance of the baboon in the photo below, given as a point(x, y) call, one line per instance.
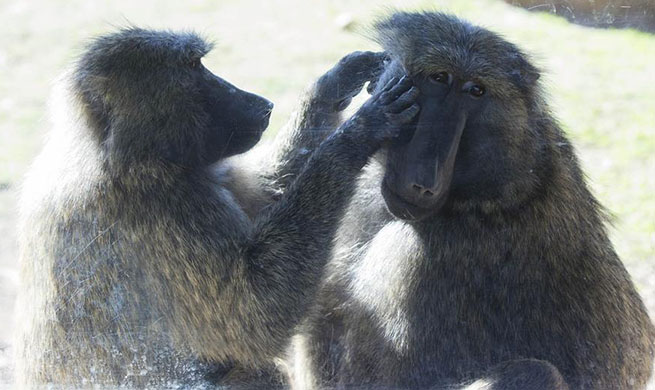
point(473, 253)
point(145, 257)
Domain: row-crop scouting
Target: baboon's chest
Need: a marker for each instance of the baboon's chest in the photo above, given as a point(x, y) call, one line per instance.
point(382, 281)
point(429, 305)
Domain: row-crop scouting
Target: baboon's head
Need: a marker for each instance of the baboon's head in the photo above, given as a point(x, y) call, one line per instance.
point(148, 96)
point(472, 141)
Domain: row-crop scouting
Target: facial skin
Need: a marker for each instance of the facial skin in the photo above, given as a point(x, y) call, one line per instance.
point(243, 128)
point(420, 170)
point(193, 108)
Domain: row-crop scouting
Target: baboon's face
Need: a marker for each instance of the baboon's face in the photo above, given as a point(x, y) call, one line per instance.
point(237, 118)
point(444, 152)
point(473, 143)
point(150, 98)
point(420, 170)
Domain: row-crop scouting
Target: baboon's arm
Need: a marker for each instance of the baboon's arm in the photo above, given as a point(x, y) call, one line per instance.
point(242, 286)
point(319, 114)
point(269, 270)
point(259, 176)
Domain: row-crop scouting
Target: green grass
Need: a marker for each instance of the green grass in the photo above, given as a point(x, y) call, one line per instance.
point(601, 82)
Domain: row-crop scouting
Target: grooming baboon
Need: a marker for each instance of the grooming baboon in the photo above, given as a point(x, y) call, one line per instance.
point(144, 259)
point(474, 243)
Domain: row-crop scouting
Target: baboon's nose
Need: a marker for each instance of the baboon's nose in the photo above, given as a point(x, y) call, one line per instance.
point(267, 110)
point(422, 191)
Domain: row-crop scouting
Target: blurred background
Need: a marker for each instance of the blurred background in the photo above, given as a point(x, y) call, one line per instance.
point(598, 57)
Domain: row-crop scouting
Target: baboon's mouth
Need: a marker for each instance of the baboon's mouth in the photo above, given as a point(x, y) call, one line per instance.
point(265, 121)
point(401, 208)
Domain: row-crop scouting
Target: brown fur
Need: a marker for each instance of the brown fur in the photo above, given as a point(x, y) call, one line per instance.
point(515, 265)
point(144, 262)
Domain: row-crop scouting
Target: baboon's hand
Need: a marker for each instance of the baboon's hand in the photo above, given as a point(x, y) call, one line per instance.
point(384, 114)
point(336, 88)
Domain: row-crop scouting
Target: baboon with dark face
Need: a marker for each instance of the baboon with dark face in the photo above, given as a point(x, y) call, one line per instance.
point(145, 255)
point(473, 249)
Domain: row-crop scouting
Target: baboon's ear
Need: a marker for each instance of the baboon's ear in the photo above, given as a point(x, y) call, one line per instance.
point(523, 73)
point(525, 78)
point(91, 95)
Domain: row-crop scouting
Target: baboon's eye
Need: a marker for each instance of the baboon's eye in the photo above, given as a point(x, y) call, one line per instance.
point(477, 90)
point(441, 77)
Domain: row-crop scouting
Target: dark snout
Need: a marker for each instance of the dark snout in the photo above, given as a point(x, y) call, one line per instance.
point(263, 109)
point(435, 143)
point(253, 114)
point(238, 117)
point(236, 106)
point(419, 173)
point(255, 109)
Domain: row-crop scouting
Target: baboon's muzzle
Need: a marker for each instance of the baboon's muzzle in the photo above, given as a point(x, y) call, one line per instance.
point(420, 172)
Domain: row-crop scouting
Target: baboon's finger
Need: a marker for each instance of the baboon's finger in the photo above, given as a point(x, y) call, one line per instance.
point(387, 87)
point(380, 60)
point(390, 84)
point(363, 66)
point(390, 94)
point(404, 101)
point(404, 116)
point(355, 69)
point(366, 61)
point(371, 86)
